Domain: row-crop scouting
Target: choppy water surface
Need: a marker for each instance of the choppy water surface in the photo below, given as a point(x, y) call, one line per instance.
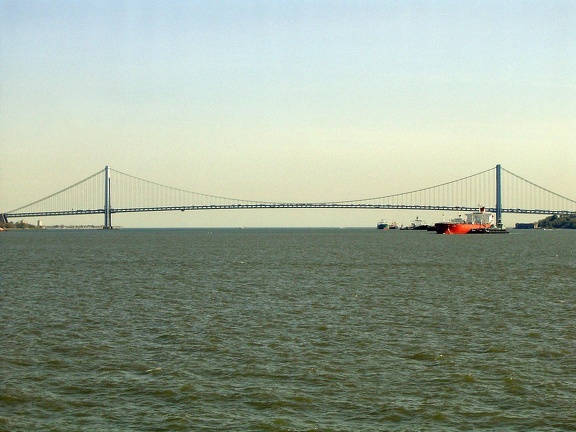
point(287, 330)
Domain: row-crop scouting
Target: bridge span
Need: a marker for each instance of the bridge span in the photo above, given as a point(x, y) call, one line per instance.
point(109, 192)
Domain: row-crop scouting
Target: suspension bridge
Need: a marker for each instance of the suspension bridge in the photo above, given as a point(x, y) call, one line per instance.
point(109, 192)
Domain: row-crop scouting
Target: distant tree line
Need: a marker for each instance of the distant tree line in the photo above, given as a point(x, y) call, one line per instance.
point(17, 225)
point(557, 221)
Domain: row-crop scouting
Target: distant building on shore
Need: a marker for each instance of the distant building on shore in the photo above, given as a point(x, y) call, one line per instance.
point(528, 225)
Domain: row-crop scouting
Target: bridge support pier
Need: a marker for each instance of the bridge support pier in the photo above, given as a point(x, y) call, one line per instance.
point(498, 196)
point(107, 208)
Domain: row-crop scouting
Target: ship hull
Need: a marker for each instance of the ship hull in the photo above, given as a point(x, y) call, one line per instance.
point(459, 228)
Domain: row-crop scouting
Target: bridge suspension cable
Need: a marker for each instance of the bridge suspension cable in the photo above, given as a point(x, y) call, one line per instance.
point(130, 192)
point(467, 192)
point(521, 194)
point(83, 197)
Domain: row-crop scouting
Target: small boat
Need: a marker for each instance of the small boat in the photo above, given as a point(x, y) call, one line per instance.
point(479, 220)
point(419, 224)
point(491, 230)
point(382, 225)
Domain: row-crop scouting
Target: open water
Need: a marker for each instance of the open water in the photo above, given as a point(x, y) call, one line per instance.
point(287, 330)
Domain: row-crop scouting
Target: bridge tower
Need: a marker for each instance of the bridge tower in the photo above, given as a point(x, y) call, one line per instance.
point(107, 208)
point(498, 196)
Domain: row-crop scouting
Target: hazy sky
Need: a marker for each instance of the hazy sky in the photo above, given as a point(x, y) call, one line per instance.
point(285, 100)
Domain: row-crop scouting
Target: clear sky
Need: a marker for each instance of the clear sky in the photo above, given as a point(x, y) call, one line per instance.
point(285, 100)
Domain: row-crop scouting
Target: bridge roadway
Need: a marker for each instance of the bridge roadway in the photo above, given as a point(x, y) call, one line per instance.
point(5, 216)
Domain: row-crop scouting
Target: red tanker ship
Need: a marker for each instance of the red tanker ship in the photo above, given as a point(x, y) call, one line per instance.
point(480, 220)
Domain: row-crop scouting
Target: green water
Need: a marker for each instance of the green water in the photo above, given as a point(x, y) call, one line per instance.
point(287, 330)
